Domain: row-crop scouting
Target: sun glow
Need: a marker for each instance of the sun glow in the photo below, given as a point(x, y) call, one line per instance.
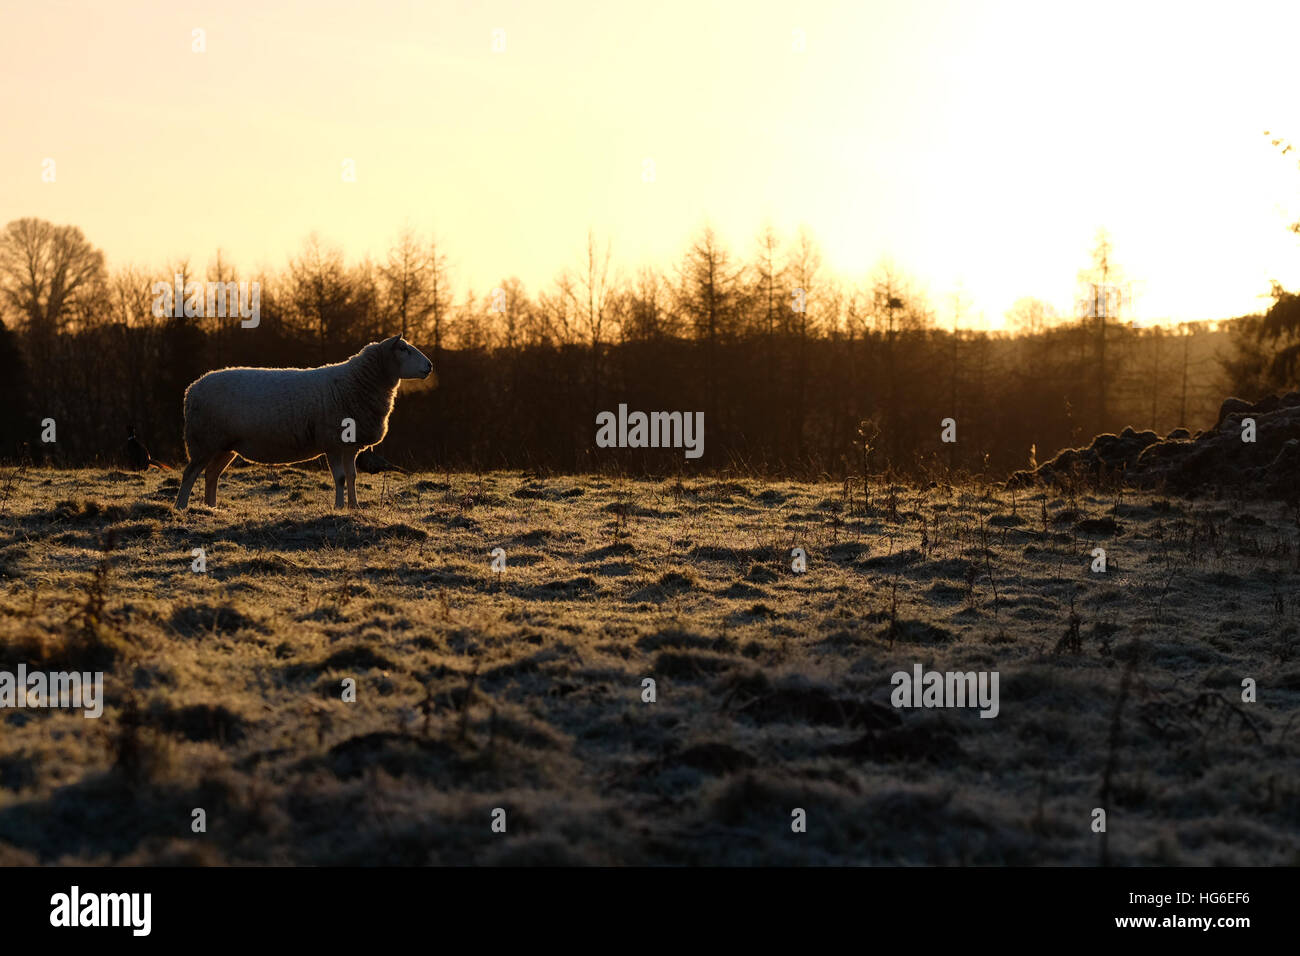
point(978, 145)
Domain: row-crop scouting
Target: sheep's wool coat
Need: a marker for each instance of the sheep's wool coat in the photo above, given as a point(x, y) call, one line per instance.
point(285, 415)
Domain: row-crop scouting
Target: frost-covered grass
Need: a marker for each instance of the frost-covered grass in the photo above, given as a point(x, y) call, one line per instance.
point(523, 690)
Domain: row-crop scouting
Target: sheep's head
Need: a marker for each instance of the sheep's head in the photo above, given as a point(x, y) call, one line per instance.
point(406, 360)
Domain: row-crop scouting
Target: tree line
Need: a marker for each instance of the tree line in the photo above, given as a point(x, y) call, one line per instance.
point(793, 367)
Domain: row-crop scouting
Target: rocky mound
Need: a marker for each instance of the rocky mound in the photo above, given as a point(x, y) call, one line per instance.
point(1213, 460)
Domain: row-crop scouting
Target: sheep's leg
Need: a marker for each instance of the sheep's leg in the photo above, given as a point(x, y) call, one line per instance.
point(350, 471)
point(187, 482)
point(216, 465)
point(336, 468)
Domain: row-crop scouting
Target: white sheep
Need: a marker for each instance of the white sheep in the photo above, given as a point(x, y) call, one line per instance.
point(278, 416)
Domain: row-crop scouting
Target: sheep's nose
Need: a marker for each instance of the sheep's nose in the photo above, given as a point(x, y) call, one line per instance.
point(428, 371)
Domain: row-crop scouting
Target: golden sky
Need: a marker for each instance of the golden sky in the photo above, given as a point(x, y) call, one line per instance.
point(980, 145)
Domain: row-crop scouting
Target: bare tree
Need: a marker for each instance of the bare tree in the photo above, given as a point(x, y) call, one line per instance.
point(438, 297)
point(320, 291)
point(593, 289)
point(645, 308)
point(364, 310)
point(46, 272)
point(591, 297)
point(404, 275)
point(803, 269)
point(896, 308)
point(221, 272)
point(130, 298)
point(557, 319)
point(512, 313)
point(709, 296)
point(417, 289)
point(1030, 316)
point(1101, 299)
point(769, 275)
point(472, 331)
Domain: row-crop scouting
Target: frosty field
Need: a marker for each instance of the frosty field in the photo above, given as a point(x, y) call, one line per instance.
point(524, 691)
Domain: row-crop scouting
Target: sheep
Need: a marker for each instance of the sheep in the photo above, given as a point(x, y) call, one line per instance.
point(284, 415)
